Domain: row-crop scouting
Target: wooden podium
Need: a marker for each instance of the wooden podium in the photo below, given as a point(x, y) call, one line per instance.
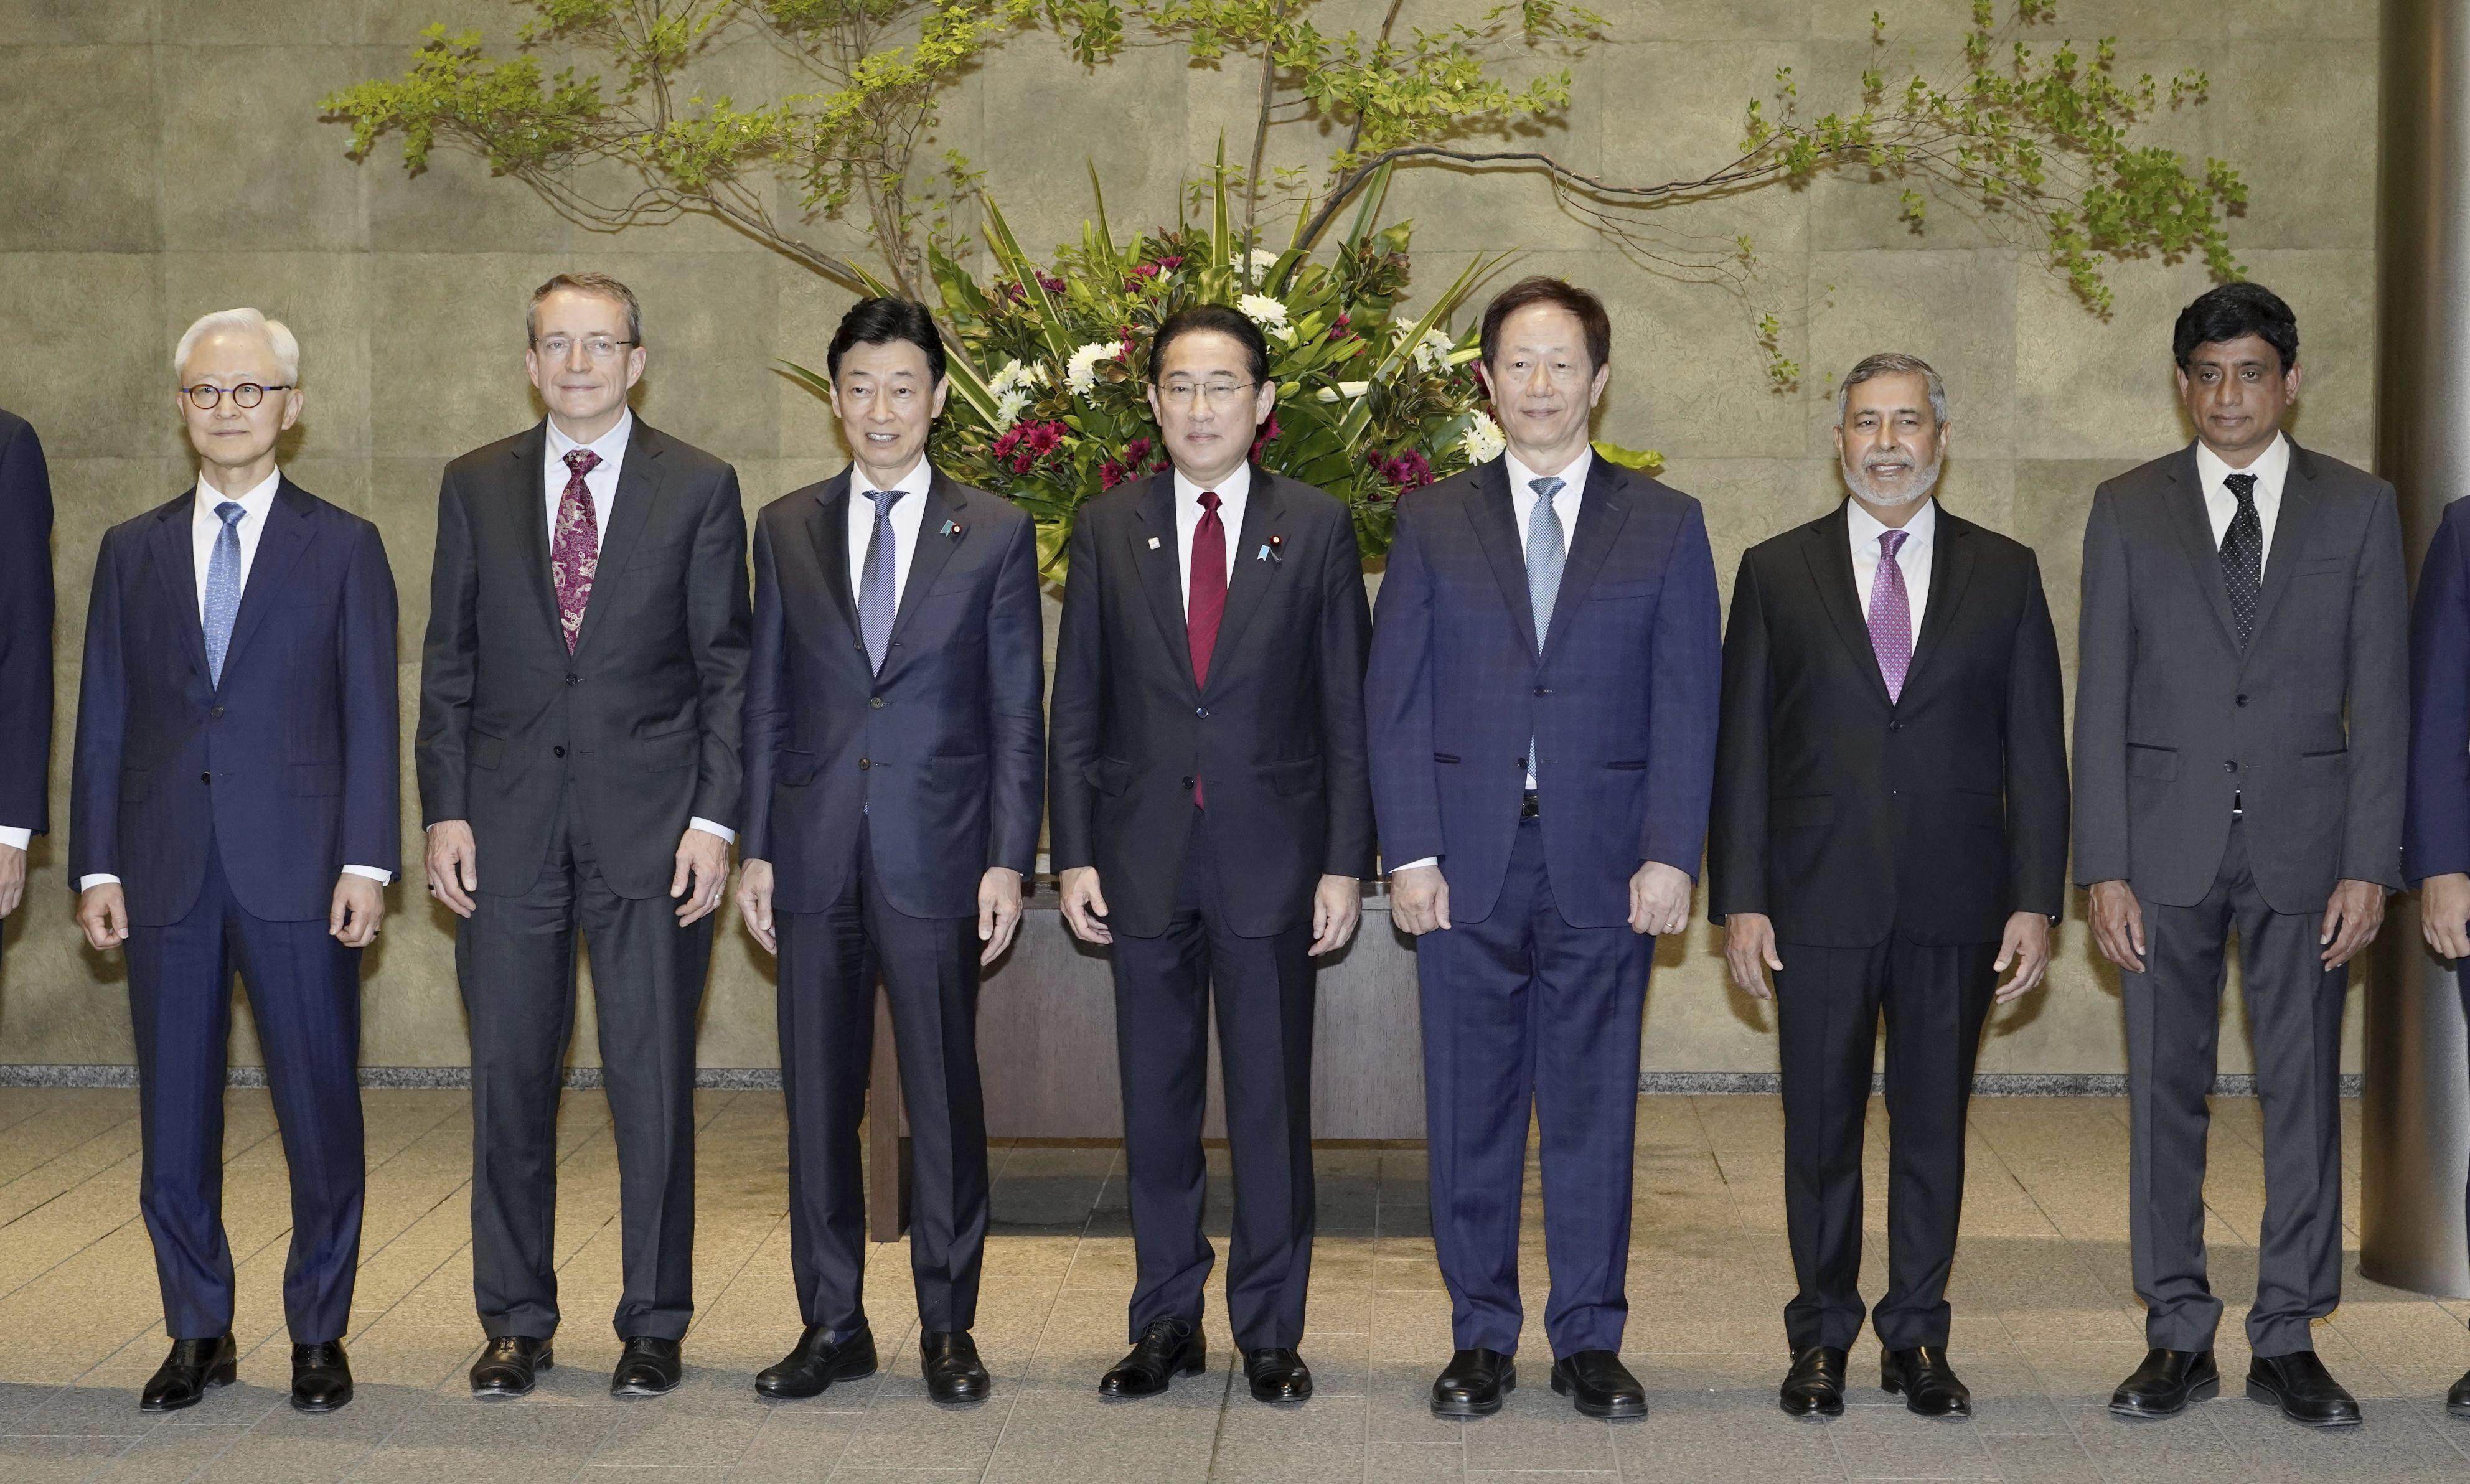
point(1046, 1049)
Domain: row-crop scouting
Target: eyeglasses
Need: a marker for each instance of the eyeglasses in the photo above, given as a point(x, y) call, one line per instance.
point(1216, 394)
point(248, 394)
point(599, 347)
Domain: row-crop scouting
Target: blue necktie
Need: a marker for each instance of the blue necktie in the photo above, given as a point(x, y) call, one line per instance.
point(1545, 555)
point(875, 583)
point(222, 589)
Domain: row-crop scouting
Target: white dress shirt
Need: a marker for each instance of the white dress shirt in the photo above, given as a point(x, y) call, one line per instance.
point(1921, 544)
point(601, 484)
point(1523, 497)
point(1232, 495)
point(908, 517)
point(205, 529)
point(2270, 469)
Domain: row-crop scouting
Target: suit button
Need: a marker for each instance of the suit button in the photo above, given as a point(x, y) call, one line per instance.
point(574, 679)
point(1543, 690)
point(1201, 710)
point(865, 763)
point(558, 752)
point(2242, 700)
point(1895, 726)
point(875, 701)
point(206, 777)
point(216, 713)
point(1187, 783)
point(2230, 766)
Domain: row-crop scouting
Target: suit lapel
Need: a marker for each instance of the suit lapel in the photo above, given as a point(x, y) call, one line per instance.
point(1496, 531)
point(1829, 550)
point(1951, 570)
point(288, 532)
point(639, 484)
point(933, 552)
point(1159, 563)
point(827, 527)
point(1600, 516)
point(528, 498)
point(2185, 499)
point(170, 547)
point(2290, 528)
point(1264, 517)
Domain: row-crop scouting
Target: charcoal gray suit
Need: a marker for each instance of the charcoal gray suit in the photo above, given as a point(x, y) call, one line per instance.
point(2233, 786)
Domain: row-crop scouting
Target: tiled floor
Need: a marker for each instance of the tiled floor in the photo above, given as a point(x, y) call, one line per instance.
point(2046, 1323)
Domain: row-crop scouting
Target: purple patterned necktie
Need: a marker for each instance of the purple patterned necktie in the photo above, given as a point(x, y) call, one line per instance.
point(1890, 616)
point(574, 547)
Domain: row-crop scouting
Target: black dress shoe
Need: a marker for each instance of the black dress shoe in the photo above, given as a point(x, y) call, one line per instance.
point(506, 1366)
point(1474, 1384)
point(1168, 1348)
point(2165, 1383)
point(954, 1374)
point(1598, 1385)
point(647, 1367)
point(2456, 1401)
point(192, 1366)
point(1926, 1382)
point(2306, 1393)
point(321, 1377)
point(1814, 1387)
point(817, 1362)
point(1278, 1375)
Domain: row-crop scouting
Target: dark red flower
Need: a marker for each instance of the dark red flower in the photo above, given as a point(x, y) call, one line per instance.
point(1050, 284)
point(1339, 331)
point(1267, 436)
point(1111, 474)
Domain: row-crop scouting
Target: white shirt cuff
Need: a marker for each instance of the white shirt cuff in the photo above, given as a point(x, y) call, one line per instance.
point(381, 877)
point(728, 836)
point(89, 883)
point(1428, 860)
point(16, 837)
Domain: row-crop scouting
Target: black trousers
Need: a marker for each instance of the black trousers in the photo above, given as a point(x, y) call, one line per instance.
point(828, 962)
point(1828, 1006)
point(514, 957)
point(2174, 1018)
point(304, 988)
point(1263, 990)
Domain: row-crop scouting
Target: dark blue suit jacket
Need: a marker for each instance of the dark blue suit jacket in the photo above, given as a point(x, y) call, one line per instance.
point(25, 628)
point(2435, 825)
point(288, 767)
point(944, 750)
point(1620, 697)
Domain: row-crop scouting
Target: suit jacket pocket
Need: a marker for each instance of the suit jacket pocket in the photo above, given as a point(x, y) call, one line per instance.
point(2323, 770)
point(668, 553)
point(1606, 592)
point(964, 773)
point(486, 751)
point(795, 768)
point(1296, 775)
point(2314, 565)
point(2151, 762)
point(674, 749)
point(1802, 811)
point(1110, 775)
point(1445, 757)
point(313, 781)
point(1628, 764)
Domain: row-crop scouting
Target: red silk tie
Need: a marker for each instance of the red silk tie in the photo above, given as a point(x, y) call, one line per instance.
point(574, 547)
point(1205, 603)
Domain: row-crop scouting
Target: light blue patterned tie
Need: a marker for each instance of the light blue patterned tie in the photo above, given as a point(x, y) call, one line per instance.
point(1545, 555)
point(223, 588)
point(875, 583)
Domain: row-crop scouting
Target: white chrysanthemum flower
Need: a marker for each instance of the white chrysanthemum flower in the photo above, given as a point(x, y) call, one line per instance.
point(1009, 404)
point(1263, 310)
point(1081, 374)
point(1432, 352)
point(1483, 441)
point(1260, 260)
point(1016, 377)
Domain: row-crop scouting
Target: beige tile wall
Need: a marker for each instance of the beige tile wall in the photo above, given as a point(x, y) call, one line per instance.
point(159, 158)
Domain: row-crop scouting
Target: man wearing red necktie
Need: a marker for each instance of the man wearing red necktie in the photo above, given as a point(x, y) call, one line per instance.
point(1212, 817)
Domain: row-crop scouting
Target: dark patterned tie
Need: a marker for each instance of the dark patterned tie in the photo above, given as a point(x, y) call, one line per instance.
point(875, 581)
point(2243, 556)
point(1207, 601)
point(574, 549)
point(1891, 614)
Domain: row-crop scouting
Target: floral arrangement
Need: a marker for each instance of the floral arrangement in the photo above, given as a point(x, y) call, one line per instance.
point(1049, 366)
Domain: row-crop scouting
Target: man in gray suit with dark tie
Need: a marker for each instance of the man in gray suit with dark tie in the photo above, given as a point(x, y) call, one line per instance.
point(2242, 727)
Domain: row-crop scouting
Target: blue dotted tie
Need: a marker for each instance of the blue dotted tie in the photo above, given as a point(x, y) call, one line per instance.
point(1545, 556)
point(223, 588)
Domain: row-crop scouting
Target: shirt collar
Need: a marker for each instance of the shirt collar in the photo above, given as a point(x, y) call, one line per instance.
point(1231, 490)
point(919, 478)
point(1573, 479)
point(2270, 466)
point(610, 446)
point(255, 501)
point(1866, 528)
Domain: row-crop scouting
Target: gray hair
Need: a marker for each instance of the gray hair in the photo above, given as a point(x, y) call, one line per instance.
point(1892, 363)
point(278, 335)
point(599, 284)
